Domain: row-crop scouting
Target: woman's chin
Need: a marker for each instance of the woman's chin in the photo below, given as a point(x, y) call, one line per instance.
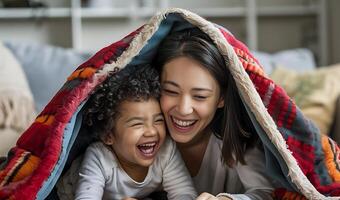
point(180, 137)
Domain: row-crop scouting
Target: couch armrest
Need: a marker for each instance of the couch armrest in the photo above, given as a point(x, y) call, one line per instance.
point(335, 129)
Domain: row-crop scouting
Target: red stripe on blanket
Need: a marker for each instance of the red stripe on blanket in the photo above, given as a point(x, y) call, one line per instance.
point(292, 115)
point(261, 84)
point(236, 43)
point(304, 154)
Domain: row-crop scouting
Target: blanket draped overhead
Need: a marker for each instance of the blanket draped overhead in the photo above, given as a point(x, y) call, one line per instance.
point(303, 161)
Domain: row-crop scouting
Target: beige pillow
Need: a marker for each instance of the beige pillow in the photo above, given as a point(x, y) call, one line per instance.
point(314, 92)
point(16, 101)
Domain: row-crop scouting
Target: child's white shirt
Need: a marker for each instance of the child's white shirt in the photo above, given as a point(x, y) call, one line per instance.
point(101, 177)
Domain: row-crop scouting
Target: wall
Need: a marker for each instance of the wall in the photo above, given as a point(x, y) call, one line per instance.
point(274, 33)
point(43, 31)
point(334, 24)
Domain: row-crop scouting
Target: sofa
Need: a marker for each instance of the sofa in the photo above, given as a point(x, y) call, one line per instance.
point(31, 74)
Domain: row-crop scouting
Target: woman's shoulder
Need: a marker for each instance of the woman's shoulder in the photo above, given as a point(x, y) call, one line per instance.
point(215, 142)
point(255, 151)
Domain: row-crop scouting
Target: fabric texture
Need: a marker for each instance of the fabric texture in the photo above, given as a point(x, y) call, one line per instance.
point(16, 101)
point(240, 182)
point(303, 161)
point(315, 92)
point(100, 171)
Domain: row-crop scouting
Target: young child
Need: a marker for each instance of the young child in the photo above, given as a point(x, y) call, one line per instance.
point(133, 156)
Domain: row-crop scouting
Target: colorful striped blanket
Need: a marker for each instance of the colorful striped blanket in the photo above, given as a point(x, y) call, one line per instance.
point(304, 162)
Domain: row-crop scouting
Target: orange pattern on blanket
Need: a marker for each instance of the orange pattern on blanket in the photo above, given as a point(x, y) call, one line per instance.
point(329, 148)
point(27, 168)
point(294, 196)
point(45, 119)
point(248, 62)
point(20, 168)
point(82, 73)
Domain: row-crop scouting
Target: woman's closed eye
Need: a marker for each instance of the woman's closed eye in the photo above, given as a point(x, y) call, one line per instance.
point(200, 97)
point(169, 92)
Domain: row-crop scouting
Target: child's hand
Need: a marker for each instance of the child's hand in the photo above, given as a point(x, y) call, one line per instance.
point(208, 196)
point(129, 198)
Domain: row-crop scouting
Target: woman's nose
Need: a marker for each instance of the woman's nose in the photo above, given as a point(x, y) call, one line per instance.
point(184, 106)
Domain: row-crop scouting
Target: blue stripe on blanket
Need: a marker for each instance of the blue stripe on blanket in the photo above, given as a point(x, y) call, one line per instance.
point(69, 136)
point(276, 167)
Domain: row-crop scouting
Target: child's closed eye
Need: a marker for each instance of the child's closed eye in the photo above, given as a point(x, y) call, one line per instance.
point(159, 119)
point(137, 124)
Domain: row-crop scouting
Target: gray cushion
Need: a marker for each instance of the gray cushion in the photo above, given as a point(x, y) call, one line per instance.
point(46, 67)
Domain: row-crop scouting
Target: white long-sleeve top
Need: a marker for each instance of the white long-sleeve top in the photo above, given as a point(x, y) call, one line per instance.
point(242, 182)
point(101, 177)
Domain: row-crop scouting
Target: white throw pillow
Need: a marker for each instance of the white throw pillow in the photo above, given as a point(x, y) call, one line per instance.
point(16, 101)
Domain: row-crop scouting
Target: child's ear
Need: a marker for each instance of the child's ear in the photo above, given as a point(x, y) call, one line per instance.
point(108, 139)
point(220, 103)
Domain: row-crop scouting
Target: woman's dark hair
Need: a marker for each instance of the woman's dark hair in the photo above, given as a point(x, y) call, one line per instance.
point(231, 123)
point(133, 83)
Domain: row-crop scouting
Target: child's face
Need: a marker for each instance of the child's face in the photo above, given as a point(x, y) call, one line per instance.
point(139, 133)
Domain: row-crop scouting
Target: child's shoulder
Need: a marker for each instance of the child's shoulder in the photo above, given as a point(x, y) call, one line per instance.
point(100, 153)
point(95, 146)
point(168, 144)
point(167, 149)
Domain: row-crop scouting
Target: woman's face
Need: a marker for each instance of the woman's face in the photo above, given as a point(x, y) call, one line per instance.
point(190, 97)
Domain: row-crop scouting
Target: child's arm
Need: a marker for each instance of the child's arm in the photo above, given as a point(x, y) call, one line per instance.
point(176, 178)
point(91, 181)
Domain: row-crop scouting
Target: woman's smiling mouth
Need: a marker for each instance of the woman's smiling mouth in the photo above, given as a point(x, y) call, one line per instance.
point(182, 125)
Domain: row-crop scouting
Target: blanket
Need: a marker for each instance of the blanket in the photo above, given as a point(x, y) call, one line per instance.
point(304, 162)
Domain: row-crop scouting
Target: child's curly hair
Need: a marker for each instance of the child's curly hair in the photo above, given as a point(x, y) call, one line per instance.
point(134, 83)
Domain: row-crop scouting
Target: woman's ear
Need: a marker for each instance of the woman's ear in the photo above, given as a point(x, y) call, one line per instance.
point(220, 103)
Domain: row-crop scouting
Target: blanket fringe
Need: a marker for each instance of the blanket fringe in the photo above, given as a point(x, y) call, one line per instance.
point(16, 111)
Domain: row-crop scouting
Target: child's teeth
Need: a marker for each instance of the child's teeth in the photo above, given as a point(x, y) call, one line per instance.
point(147, 148)
point(148, 144)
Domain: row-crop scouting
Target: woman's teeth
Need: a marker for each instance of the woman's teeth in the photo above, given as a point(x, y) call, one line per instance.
point(183, 123)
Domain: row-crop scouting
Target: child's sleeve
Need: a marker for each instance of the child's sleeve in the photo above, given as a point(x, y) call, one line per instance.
point(177, 181)
point(91, 180)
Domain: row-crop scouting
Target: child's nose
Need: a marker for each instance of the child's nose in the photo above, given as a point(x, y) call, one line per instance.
point(150, 131)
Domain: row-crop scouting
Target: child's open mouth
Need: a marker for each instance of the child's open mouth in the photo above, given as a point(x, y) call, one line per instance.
point(148, 150)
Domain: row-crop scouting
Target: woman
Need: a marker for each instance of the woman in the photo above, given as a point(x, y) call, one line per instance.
point(206, 118)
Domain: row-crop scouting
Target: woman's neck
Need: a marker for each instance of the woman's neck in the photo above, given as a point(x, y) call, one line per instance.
point(193, 152)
